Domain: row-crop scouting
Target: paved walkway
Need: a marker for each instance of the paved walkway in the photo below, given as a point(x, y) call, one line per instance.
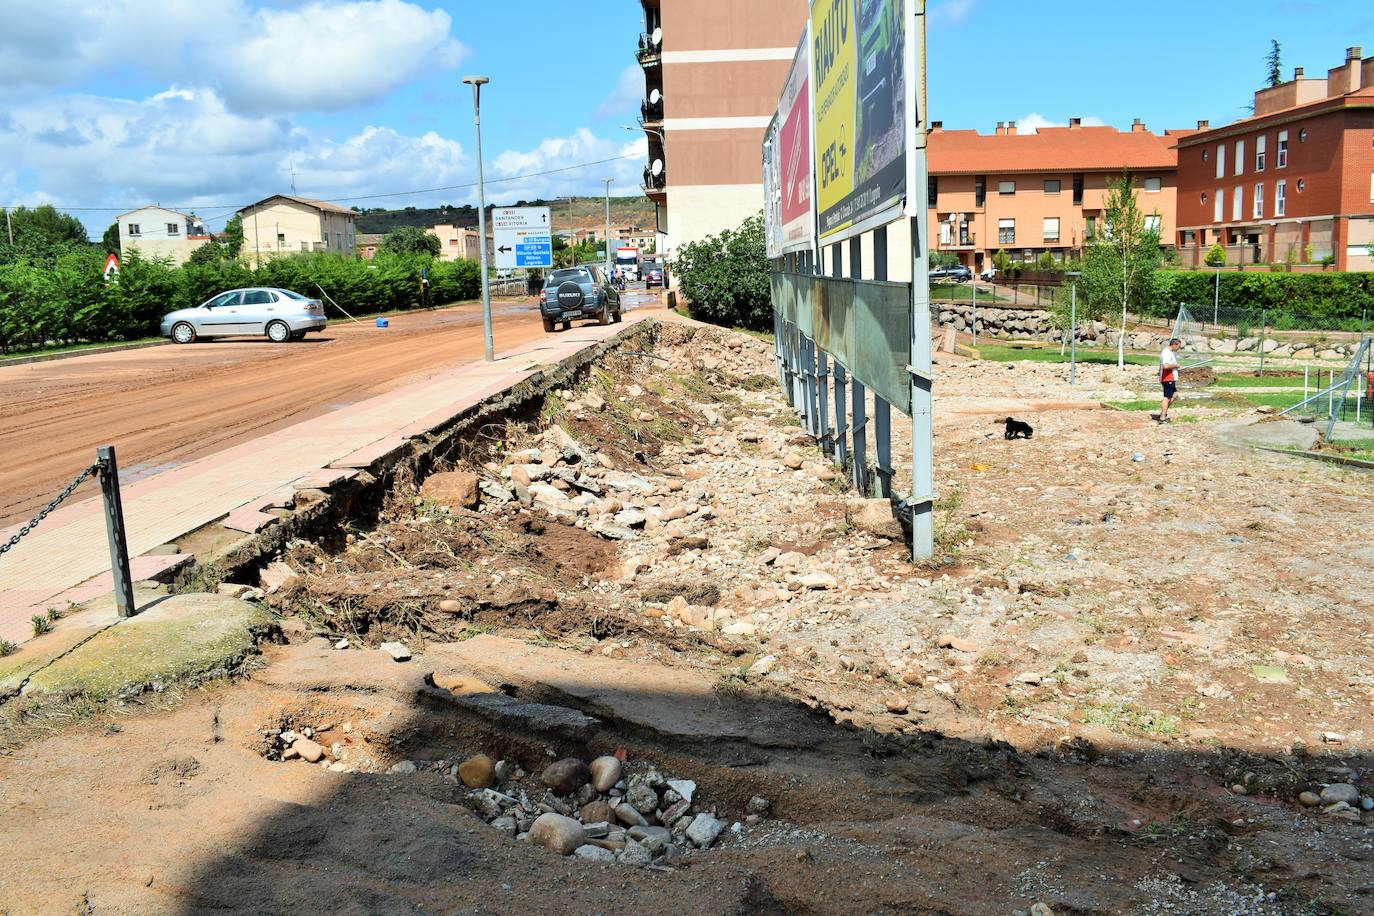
point(67, 557)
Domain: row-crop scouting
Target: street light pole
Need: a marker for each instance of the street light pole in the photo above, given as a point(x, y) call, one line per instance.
point(477, 82)
point(1216, 301)
point(608, 225)
point(1073, 327)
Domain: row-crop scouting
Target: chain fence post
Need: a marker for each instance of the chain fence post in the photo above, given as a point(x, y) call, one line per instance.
point(114, 527)
point(1264, 333)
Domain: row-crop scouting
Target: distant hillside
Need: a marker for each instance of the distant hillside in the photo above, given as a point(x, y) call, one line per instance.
point(579, 213)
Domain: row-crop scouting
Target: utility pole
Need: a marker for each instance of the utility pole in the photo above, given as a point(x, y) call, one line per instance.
point(608, 225)
point(1216, 301)
point(1073, 327)
point(477, 82)
point(9, 226)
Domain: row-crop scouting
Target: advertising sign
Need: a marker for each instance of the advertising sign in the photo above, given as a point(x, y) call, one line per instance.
point(772, 192)
point(858, 62)
point(794, 154)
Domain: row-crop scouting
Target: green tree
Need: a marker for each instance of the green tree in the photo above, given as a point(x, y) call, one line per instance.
point(1215, 256)
point(232, 236)
point(1119, 267)
point(943, 259)
point(1047, 261)
point(44, 228)
point(110, 240)
point(411, 240)
point(1275, 63)
point(1002, 261)
point(725, 278)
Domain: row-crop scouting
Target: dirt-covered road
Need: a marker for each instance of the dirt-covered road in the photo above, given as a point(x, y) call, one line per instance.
point(164, 406)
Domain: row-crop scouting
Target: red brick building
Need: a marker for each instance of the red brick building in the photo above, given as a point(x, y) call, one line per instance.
point(1294, 183)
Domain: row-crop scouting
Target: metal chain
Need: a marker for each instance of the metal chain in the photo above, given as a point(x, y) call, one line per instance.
point(71, 488)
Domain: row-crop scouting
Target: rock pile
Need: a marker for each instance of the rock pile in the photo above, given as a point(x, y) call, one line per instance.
point(597, 811)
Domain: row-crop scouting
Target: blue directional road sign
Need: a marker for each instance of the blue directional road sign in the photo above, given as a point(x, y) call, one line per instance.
point(523, 236)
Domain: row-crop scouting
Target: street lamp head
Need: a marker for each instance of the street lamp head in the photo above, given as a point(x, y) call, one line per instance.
point(476, 80)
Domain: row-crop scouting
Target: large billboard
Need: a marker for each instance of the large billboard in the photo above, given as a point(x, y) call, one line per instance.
point(772, 191)
point(794, 154)
point(859, 55)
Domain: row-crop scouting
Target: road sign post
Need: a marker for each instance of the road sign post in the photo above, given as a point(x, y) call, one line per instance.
point(524, 237)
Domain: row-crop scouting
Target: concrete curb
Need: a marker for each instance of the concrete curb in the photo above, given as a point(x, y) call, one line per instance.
point(84, 351)
point(1320, 456)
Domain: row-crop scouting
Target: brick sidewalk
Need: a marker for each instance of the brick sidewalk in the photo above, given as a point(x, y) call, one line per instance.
point(67, 557)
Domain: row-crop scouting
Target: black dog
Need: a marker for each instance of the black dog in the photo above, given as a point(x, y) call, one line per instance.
point(1018, 430)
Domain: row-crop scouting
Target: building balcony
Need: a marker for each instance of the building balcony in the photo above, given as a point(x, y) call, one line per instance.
point(651, 113)
point(650, 55)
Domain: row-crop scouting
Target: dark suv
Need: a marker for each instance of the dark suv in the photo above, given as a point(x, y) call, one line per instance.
point(578, 292)
point(958, 273)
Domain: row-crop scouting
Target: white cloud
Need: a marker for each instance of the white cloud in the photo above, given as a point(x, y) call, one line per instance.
point(185, 147)
point(328, 56)
point(323, 55)
point(1034, 121)
point(951, 12)
point(625, 100)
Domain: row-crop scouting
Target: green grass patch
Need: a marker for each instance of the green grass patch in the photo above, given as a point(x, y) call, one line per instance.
point(77, 348)
point(1127, 718)
point(1000, 353)
point(962, 294)
point(1251, 380)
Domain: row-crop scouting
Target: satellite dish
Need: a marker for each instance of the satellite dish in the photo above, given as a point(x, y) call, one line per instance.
point(657, 167)
point(655, 97)
point(656, 38)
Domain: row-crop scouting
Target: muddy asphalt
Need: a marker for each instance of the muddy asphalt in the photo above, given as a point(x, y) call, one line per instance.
point(165, 406)
point(959, 800)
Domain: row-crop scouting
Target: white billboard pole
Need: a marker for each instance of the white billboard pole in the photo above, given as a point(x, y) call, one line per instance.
point(922, 382)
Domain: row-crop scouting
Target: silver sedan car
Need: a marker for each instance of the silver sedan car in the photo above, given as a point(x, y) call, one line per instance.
point(278, 313)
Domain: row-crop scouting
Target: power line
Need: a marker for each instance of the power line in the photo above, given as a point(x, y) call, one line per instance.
point(342, 200)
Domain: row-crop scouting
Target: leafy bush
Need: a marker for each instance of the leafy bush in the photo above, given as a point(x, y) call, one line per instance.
point(411, 240)
point(1215, 256)
point(62, 298)
point(725, 277)
point(1328, 297)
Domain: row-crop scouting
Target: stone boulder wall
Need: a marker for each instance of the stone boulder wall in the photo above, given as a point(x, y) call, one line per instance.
point(1037, 324)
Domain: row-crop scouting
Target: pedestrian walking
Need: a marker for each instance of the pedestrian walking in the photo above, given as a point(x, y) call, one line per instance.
point(1168, 378)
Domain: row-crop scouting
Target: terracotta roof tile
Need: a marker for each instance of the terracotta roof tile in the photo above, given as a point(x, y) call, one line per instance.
point(1051, 149)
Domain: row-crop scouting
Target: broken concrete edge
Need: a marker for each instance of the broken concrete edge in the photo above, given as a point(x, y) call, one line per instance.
point(1320, 456)
point(361, 499)
point(84, 351)
point(179, 640)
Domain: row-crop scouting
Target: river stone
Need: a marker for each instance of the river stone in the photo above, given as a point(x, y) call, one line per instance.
point(594, 853)
point(643, 798)
point(628, 816)
point(566, 776)
point(1340, 792)
point(596, 812)
point(685, 788)
point(605, 773)
point(556, 832)
point(635, 854)
point(478, 772)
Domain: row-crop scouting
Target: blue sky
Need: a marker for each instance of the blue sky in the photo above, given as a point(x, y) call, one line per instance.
point(212, 103)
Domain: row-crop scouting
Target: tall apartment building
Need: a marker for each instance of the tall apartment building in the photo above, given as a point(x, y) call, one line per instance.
point(1292, 183)
point(713, 70)
point(1041, 192)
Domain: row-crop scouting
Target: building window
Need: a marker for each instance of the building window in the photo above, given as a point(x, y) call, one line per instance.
point(1154, 185)
point(1238, 205)
point(1302, 185)
point(980, 191)
point(1302, 135)
point(1221, 161)
point(172, 229)
point(1283, 150)
point(305, 246)
point(1281, 199)
point(1006, 188)
point(1006, 232)
point(1240, 157)
point(1052, 188)
point(281, 239)
point(1371, 186)
point(338, 240)
point(1078, 190)
point(1219, 210)
point(1153, 223)
point(1261, 143)
point(1051, 228)
point(134, 229)
point(1259, 201)
point(932, 191)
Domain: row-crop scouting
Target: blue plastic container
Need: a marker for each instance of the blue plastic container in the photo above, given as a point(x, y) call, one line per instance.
point(383, 323)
